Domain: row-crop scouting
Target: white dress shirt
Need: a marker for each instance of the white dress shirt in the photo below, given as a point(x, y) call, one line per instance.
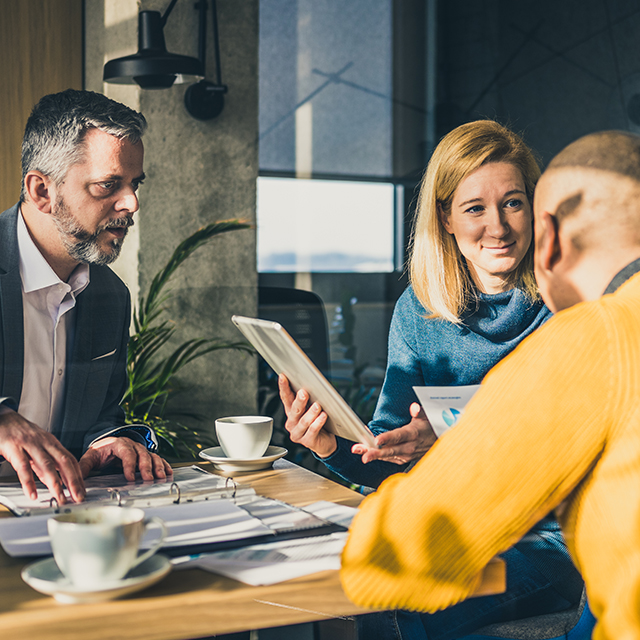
point(48, 306)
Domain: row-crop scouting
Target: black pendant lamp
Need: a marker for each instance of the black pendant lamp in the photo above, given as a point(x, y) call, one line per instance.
point(153, 67)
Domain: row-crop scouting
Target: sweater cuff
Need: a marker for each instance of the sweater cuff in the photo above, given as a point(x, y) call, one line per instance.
point(350, 467)
point(342, 462)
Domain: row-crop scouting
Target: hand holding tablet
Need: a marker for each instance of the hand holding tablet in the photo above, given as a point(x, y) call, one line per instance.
point(282, 353)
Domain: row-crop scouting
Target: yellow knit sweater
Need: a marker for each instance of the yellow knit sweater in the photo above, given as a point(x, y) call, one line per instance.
point(557, 419)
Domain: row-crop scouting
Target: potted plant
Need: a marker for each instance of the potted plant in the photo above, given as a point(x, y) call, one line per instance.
point(151, 371)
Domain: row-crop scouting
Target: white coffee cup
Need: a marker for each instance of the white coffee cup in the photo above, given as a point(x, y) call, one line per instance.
point(244, 437)
point(97, 546)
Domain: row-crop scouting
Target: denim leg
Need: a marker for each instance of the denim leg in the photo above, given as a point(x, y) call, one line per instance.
point(391, 625)
point(529, 593)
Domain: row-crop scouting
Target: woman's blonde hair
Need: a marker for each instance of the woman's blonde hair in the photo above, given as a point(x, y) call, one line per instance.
point(438, 272)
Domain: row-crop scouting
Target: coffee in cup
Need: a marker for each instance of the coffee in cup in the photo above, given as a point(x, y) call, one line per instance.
point(244, 437)
point(97, 546)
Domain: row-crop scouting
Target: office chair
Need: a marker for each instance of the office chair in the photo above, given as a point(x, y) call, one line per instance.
point(574, 624)
point(302, 314)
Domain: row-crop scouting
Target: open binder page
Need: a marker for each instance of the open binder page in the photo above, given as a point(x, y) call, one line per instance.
point(186, 484)
point(200, 525)
point(189, 524)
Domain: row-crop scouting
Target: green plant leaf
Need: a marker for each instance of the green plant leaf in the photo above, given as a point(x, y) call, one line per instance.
point(152, 378)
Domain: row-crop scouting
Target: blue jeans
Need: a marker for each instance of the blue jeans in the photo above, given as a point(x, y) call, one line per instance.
point(529, 593)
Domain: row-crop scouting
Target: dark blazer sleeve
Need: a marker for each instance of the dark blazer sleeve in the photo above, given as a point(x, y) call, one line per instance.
point(97, 370)
point(111, 413)
point(11, 329)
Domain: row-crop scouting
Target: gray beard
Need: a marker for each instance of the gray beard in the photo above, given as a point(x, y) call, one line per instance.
point(81, 245)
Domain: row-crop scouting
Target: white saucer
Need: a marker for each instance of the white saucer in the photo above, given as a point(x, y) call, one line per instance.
point(221, 462)
point(45, 577)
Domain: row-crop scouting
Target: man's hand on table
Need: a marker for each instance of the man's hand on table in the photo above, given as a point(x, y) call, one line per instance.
point(305, 426)
point(29, 449)
point(403, 444)
point(133, 455)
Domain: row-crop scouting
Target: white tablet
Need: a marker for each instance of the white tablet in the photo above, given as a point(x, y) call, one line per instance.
point(282, 353)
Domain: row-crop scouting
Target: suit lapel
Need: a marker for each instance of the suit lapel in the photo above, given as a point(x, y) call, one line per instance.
point(86, 326)
point(11, 320)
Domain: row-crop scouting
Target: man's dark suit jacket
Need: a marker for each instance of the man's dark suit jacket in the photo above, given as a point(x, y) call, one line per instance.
point(96, 377)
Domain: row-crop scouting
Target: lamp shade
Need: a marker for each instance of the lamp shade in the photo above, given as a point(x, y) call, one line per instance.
point(153, 67)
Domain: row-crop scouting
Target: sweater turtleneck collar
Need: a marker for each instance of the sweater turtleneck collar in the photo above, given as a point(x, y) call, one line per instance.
point(500, 317)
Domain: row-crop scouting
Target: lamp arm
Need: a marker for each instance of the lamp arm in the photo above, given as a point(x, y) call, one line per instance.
point(204, 100)
point(168, 11)
point(216, 42)
point(202, 7)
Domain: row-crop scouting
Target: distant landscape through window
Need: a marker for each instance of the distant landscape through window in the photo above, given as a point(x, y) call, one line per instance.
point(325, 226)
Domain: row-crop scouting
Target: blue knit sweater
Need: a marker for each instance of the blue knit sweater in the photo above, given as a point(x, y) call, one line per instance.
point(436, 352)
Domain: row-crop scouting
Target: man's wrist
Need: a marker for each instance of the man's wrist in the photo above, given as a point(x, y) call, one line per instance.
point(5, 406)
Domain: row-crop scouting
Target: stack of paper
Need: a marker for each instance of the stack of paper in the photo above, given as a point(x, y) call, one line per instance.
point(269, 563)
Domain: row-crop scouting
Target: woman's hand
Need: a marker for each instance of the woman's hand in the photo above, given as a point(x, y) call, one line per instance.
point(305, 425)
point(403, 444)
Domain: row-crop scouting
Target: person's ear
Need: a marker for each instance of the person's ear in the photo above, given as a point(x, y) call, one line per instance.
point(40, 191)
point(444, 219)
point(548, 247)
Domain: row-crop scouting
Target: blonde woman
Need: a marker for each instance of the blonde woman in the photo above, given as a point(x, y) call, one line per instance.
point(472, 299)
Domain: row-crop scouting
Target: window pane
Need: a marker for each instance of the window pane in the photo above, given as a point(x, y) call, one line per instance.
point(326, 87)
point(325, 226)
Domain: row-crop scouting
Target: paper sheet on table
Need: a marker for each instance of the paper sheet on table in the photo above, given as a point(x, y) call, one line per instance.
point(339, 513)
point(444, 405)
point(189, 524)
point(273, 562)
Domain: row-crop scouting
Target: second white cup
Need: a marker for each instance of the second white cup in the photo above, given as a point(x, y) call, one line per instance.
point(97, 546)
point(244, 437)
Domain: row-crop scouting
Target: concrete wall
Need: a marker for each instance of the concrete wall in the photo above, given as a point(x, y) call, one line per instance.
point(197, 172)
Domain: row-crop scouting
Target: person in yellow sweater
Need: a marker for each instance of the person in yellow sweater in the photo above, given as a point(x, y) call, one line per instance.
point(555, 425)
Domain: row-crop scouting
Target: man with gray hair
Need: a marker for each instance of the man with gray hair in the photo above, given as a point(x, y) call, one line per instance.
point(64, 315)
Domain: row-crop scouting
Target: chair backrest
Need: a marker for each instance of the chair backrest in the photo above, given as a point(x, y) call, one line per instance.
point(302, 314)
point(575, 623)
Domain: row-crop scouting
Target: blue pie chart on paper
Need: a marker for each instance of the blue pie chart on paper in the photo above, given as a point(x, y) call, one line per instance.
point(450, 416)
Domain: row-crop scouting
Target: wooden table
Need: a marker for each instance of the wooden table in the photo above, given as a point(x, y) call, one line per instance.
point(193, 603)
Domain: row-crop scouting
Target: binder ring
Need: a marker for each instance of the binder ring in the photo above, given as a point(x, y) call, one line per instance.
point(174, 488)
point(233, 483)
point(116, 496)
point(53, 501)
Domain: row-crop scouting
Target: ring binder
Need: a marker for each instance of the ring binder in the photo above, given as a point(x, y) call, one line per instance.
point(204, 513)
point(190, 484)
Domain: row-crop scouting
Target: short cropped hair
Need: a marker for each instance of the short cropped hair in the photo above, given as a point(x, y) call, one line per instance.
point(55, 131)
point(614, 221)
point(614, 151)
point(438, 272)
